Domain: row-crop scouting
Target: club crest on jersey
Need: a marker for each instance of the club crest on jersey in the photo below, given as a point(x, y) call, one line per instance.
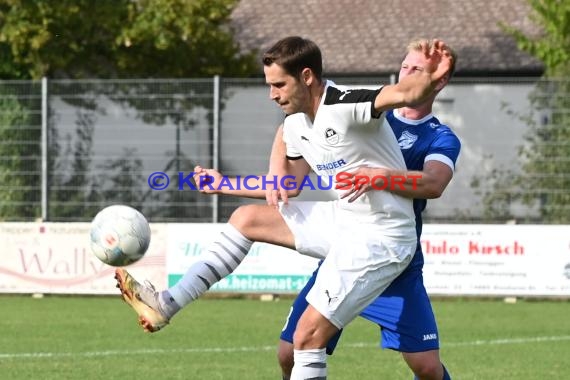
point(331, 136)
point(407, 140)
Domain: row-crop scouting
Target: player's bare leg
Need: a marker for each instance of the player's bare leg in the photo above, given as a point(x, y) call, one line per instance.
point(285, 358)
point(426, 365)
point(247, 224)
point(263, 223)
point(310, 340)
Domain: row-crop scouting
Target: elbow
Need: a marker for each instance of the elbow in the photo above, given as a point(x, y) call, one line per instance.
point(433, 193)
point(428, 191)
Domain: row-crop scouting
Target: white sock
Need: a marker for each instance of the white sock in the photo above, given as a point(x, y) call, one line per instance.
point(219, 260)
point(310, 364)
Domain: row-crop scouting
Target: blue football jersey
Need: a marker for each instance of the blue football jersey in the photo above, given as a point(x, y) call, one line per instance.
point(420, 141)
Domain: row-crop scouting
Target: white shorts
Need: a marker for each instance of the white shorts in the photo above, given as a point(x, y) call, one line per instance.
point(360, 262)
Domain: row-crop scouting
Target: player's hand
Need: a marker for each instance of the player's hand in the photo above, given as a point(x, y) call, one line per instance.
point(439, 59)
point(275, 193)
point(207, 180)
point(360, 182)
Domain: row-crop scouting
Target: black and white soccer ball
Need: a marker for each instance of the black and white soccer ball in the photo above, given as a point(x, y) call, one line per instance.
point(120, 235)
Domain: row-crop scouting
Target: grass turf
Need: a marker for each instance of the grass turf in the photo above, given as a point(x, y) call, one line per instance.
point(97, 338)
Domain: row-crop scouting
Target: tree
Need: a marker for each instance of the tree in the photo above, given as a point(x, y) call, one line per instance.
point(119, 39)
point(20, 189)
point(124, 177)
point(543, 180)
point(552, 45)
point(72, 186)
point(111, 39)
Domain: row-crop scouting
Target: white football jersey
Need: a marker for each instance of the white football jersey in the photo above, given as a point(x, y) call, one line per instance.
point(345, 136)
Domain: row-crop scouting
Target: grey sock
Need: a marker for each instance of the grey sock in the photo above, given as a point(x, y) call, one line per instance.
point(168, 305)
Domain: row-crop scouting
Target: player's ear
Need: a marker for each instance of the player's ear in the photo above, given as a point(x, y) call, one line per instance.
point(307, 76)
point(442, 82)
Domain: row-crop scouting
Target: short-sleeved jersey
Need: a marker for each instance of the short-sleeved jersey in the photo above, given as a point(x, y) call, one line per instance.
point(346, 135)
point(403, 310)
point(422, 141)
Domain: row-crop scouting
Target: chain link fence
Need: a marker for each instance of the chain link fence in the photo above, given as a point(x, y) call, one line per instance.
point(71, 147)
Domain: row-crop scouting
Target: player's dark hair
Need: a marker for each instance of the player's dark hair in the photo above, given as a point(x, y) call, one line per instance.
point(294, 54)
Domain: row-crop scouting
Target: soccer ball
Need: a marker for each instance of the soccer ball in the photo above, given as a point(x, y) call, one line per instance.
point(120, 235)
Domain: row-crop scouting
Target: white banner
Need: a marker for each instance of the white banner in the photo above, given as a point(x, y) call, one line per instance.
point(266, 268)
point(57, 258)
point(506, 260)
point(482, 260)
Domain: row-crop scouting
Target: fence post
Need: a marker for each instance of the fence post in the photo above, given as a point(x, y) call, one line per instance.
point(216, 143)
point(44, 150)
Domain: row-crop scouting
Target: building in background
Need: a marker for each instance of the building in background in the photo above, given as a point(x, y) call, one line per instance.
point(133, 128)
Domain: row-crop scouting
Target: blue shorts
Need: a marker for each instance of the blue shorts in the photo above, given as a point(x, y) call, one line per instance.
point(403, 312)
point(297, 309)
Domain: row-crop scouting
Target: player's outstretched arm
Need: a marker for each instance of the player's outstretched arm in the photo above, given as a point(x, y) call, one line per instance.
point(426, 184)
point(277, 166)
point(417, 87)
point(288, 172)
point(279, 183)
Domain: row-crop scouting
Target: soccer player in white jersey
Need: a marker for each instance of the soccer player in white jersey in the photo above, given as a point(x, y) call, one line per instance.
point(365, 244)
point(403, 310)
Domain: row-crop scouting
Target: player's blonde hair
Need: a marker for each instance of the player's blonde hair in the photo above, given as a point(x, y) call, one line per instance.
point(416, 45)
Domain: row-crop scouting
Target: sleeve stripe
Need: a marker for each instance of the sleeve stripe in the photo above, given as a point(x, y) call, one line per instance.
point(294, 158)
point(441, 158)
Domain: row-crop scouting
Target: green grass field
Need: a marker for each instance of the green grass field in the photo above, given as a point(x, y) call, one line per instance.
point(98, 338)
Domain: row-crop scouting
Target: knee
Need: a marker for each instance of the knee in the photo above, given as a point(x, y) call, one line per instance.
point(313, 330)
point(244, 218)
point(425, 365)
point(285, 358)
point(428, 370)
point(308, 337)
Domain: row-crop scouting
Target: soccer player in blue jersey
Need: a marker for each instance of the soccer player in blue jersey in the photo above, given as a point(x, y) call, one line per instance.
point(403, 311)
point(368, 241)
